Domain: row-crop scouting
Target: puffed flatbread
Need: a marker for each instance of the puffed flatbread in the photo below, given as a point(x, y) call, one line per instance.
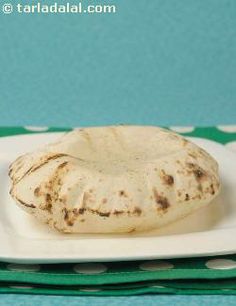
point(114, 179)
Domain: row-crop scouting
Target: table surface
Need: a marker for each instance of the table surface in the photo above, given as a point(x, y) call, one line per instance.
point(150, 300)
point(158, 62)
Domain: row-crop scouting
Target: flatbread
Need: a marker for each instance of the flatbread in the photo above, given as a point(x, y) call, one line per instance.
point(114, 179)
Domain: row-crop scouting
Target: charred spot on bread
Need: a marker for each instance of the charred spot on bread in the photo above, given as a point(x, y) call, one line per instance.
point(160, 200)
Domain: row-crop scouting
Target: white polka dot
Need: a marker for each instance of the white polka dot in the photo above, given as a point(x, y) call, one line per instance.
point(90, 290)
point(231, 146)
point(23, 268)
point(221, 264)
point(182, 129)
point(37, 128)
point(156, 265)
point(227, 128)
point(21, 287)
point(90, 268)
point(158, 287)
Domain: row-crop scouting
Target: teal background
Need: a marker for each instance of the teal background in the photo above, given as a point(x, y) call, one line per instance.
point(167, 62)
point(24, 300)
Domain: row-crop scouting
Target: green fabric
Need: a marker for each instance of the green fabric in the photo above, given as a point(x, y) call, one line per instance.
point(181, 276)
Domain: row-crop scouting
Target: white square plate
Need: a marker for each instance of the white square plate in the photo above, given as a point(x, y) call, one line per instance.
point(210, 231)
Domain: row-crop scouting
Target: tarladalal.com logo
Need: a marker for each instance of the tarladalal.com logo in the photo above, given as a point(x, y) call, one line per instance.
point(58, 8)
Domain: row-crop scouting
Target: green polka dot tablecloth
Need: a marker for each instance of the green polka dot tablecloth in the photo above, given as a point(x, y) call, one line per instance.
point(207, 275)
